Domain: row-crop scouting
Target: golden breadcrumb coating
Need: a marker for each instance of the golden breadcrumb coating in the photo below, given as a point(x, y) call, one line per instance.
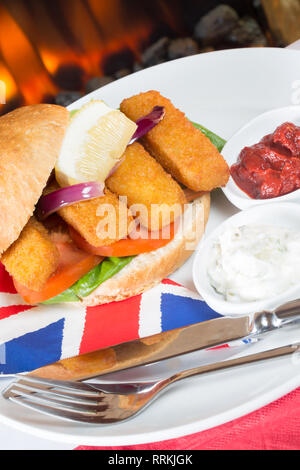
point(144, 181)
point(184, 151)
point(33, 258)
point(101, 221)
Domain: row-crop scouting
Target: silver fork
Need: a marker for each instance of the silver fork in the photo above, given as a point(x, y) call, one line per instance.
point(104, 403)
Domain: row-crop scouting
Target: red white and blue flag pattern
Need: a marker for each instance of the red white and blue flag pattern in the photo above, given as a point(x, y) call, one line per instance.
point(35, 336)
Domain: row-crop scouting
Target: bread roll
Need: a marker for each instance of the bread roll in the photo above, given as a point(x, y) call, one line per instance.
point(30, 138)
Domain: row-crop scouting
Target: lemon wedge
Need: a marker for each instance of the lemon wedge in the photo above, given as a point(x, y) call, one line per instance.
point(95, 141)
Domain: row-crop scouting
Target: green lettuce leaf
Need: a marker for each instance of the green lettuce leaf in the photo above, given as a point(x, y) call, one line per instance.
point(214, 138)
point(88, 283)
point(72, 113)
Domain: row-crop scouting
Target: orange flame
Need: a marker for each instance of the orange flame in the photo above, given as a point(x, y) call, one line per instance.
point(39, 27)
point(116, 33)
point(23, 60)
point(9, 88)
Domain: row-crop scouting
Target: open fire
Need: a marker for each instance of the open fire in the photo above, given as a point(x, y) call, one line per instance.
point(47, 47)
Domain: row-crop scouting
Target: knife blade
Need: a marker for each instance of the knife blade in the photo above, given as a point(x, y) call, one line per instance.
point(208, 334)
point(148, 350)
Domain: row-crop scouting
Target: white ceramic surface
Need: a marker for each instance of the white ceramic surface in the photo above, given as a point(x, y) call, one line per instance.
point(223, 91)
point(249, 135)
point(279, 214)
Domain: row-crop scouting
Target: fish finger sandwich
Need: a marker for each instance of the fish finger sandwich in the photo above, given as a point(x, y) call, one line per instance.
point(89, 215)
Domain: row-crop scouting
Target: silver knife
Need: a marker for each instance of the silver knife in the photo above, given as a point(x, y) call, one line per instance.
point(199, 344)
point(178, 348)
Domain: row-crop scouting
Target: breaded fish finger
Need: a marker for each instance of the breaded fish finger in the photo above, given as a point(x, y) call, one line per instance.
point(144, 181)
point(101, 221)
point(184, 151)
point(33, 258)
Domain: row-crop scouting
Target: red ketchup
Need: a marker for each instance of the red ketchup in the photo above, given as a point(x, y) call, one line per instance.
point(270, 168)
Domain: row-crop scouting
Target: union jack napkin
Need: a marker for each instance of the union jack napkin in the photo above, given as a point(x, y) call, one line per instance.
point(35, 336)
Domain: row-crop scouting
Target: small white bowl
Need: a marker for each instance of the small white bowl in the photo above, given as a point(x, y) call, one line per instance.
point(249, 135)
point(283, 214)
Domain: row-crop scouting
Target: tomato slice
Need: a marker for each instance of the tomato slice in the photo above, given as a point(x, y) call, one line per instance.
point(74, 264)
point(128, 246)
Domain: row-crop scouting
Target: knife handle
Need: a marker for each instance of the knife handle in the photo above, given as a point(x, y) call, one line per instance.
point(266, 321)
point(272, 353)
point(289, 311)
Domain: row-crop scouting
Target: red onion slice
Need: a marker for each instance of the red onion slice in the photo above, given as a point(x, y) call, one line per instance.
point(146, 123)
point(63, 197)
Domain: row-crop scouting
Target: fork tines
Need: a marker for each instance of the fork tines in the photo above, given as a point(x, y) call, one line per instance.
point(70, 401)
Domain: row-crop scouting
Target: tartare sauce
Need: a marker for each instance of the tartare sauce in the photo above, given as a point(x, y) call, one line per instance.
point(254, 262)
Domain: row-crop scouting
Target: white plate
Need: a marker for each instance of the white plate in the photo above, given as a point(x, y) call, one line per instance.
point(222, 91)
point(249, 135)
point(279, 214)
